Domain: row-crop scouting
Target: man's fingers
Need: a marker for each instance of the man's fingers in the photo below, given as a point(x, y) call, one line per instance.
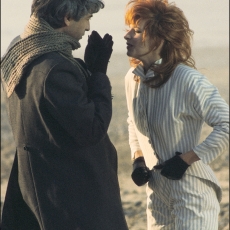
point(95, 37)
point(108, 40)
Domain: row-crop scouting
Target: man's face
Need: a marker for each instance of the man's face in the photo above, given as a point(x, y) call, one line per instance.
point(76, 29)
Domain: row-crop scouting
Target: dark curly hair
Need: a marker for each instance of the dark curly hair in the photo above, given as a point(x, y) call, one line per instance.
point(54, 11)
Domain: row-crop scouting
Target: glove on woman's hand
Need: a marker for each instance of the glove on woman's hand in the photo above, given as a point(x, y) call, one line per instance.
point(141, 173)
point(174, 168)
point(98, 52)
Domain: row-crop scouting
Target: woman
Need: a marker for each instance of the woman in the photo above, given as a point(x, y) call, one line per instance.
point(168, 102)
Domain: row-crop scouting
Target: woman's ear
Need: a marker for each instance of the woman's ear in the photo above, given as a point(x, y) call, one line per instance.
point(159, 45)
point(162, 43)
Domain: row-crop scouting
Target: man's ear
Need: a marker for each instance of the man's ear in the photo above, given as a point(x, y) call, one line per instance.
point(67, 20)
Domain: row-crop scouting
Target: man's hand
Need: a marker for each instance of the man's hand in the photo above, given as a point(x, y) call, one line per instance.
point(98, 52)
point(174, 168)
point(141, 173)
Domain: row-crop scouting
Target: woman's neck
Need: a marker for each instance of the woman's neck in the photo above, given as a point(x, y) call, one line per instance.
point(147, 64)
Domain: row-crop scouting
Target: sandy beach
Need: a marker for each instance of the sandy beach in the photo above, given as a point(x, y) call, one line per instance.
point(212, 62)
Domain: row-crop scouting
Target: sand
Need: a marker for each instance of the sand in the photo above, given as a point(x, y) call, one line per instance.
point(213, 62)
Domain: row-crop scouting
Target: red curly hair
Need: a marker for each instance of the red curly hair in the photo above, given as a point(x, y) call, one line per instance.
point(166, 22)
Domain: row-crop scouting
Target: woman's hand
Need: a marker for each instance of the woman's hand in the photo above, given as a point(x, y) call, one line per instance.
point(175, 167)
point(141, 172)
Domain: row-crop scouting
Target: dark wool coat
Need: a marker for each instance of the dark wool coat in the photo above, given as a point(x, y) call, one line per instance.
point(64, 176)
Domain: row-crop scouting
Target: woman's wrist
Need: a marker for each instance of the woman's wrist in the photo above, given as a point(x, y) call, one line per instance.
point(137, 154)
point(189, 157)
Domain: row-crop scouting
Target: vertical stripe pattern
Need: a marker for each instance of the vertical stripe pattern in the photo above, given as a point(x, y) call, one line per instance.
point(170, 118)
point(189, 203)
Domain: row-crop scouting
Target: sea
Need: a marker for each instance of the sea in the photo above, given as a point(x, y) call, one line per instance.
point(209, 19)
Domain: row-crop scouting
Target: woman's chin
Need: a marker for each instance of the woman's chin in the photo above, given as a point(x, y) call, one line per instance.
point(129, 54)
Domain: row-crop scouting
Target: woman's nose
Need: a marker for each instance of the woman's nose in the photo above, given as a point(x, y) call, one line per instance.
point(127, 36)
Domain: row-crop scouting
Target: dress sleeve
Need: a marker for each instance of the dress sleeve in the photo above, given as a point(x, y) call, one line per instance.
point(206, 103)
point(133, 140)
point(84, 114)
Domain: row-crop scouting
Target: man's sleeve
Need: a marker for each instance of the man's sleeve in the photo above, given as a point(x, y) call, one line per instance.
point(84, 115)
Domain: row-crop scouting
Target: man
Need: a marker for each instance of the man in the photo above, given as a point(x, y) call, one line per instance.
point(64, 175)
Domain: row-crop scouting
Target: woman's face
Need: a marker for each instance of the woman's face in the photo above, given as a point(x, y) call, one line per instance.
point(139, 48)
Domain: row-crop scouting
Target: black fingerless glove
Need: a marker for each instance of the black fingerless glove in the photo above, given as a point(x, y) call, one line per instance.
point(98, 52)
point(174, 168)
point(141, 173)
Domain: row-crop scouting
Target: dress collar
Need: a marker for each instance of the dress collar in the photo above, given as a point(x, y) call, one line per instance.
point(139, 71)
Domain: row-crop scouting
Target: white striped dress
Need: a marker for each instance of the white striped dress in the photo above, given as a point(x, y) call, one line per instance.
point(170, 118)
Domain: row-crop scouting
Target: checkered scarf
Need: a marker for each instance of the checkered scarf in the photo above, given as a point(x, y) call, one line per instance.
point(37, 39)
